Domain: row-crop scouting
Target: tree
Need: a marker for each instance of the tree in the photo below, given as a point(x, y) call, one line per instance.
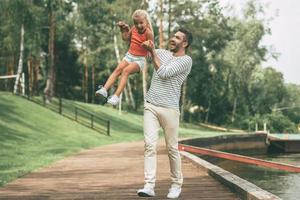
point(267, 90)
point(210, 32)
point(161, 27)
point(244, 55)
point(20, 65)
point(18, 18)
point(290, 104)
point(49, 89)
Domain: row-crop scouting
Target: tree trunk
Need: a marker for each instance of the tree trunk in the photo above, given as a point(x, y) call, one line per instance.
point(86, 79)
point(161, 33)
point(145, 72)
point(6, 83)
point(227, 87)
point(127, 99)
point(234, 110)
point(82, 51)
point(83, 81)
point(30, 76)
point(49, 90)
point(20, 65)
point(248, 100)
point(93, 83)
point(208, 110)
point(117, 52)
point(36, 77)
point(170, 19)
point(183, 101)
point(132, 101)
point(10, 71)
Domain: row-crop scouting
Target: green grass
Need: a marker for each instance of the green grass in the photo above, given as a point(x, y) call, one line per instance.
point(32, 136)
point(129, 123)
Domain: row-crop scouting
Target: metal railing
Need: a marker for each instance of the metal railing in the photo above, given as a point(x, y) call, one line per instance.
point(87, 118)
point(82, 116)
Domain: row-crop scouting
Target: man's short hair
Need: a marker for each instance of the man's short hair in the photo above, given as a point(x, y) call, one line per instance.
point(188, 36)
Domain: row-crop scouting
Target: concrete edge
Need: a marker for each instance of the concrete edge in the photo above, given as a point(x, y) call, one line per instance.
point(218, 128)
point(243, 188)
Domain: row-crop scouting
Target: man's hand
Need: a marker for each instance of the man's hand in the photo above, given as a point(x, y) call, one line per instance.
point(123, 26)
point(148, 45)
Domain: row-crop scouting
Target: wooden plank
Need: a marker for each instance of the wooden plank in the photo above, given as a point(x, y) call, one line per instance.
point(239, 158)
point(112, 172)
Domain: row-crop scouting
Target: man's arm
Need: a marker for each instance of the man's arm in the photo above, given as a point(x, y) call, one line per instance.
point(155, 59)
point(174, 68)
point(149, 45)
point(171, 69)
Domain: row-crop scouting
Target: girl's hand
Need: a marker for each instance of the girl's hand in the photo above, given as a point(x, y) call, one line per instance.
point(120, 23)
point(123, 26)
point(148, 45)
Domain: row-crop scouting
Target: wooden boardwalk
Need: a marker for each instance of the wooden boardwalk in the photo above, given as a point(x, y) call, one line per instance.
point(111, 172)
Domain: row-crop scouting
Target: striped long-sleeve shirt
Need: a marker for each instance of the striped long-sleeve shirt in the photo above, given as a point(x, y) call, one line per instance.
point(167, 80)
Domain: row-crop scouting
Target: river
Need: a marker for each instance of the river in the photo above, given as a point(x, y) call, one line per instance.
point(285, 185)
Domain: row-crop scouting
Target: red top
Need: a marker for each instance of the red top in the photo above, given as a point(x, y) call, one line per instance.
point(135, 43)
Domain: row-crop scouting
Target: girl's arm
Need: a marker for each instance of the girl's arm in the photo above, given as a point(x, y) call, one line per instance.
point(125, 30)
point(150, 35)
point(126, 35)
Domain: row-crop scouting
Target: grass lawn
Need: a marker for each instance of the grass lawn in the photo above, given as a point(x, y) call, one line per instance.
point(32, 136)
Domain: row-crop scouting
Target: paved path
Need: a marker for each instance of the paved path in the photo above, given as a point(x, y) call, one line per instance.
point(111, 172)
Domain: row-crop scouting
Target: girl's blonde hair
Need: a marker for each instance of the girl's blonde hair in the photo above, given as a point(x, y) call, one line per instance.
point(145, 14)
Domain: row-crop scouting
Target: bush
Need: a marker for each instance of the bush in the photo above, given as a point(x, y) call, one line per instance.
point(276, 123)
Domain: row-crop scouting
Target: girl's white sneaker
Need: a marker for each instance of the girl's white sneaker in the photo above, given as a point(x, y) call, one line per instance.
point(101, 91)
point(113, 100)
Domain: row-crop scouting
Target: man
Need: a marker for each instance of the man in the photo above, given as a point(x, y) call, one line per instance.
point(162, 109)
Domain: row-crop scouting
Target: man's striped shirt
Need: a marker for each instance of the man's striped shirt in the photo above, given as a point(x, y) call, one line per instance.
point(167, 80)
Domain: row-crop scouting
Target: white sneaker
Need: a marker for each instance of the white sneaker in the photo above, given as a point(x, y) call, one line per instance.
point(174, 192)
point(146, 192)
point(113, 100)
point(102, 91)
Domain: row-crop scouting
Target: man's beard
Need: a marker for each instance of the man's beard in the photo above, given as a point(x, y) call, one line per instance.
point(175, 49)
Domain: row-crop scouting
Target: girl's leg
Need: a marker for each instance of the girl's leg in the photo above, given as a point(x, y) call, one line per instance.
point(116, 73)
point(129, 69)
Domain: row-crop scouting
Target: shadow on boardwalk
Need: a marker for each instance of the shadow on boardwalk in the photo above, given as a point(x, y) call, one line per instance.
point(111, 172)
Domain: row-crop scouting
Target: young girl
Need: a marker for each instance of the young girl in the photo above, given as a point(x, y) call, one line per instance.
point(134, 59)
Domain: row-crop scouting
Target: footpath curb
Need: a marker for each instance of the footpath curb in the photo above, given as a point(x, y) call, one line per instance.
point(244, 189)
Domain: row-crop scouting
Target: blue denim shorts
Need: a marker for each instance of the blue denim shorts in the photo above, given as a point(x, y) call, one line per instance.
point(140, 60)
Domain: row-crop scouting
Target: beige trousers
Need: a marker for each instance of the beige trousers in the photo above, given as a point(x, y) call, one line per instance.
point(167, 118)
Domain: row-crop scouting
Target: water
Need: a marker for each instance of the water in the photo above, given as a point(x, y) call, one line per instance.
point(285, 185)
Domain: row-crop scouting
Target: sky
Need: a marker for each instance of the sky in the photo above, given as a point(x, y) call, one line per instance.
point(285, 37)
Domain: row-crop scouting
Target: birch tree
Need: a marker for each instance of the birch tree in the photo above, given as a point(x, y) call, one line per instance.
point(20, 65)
